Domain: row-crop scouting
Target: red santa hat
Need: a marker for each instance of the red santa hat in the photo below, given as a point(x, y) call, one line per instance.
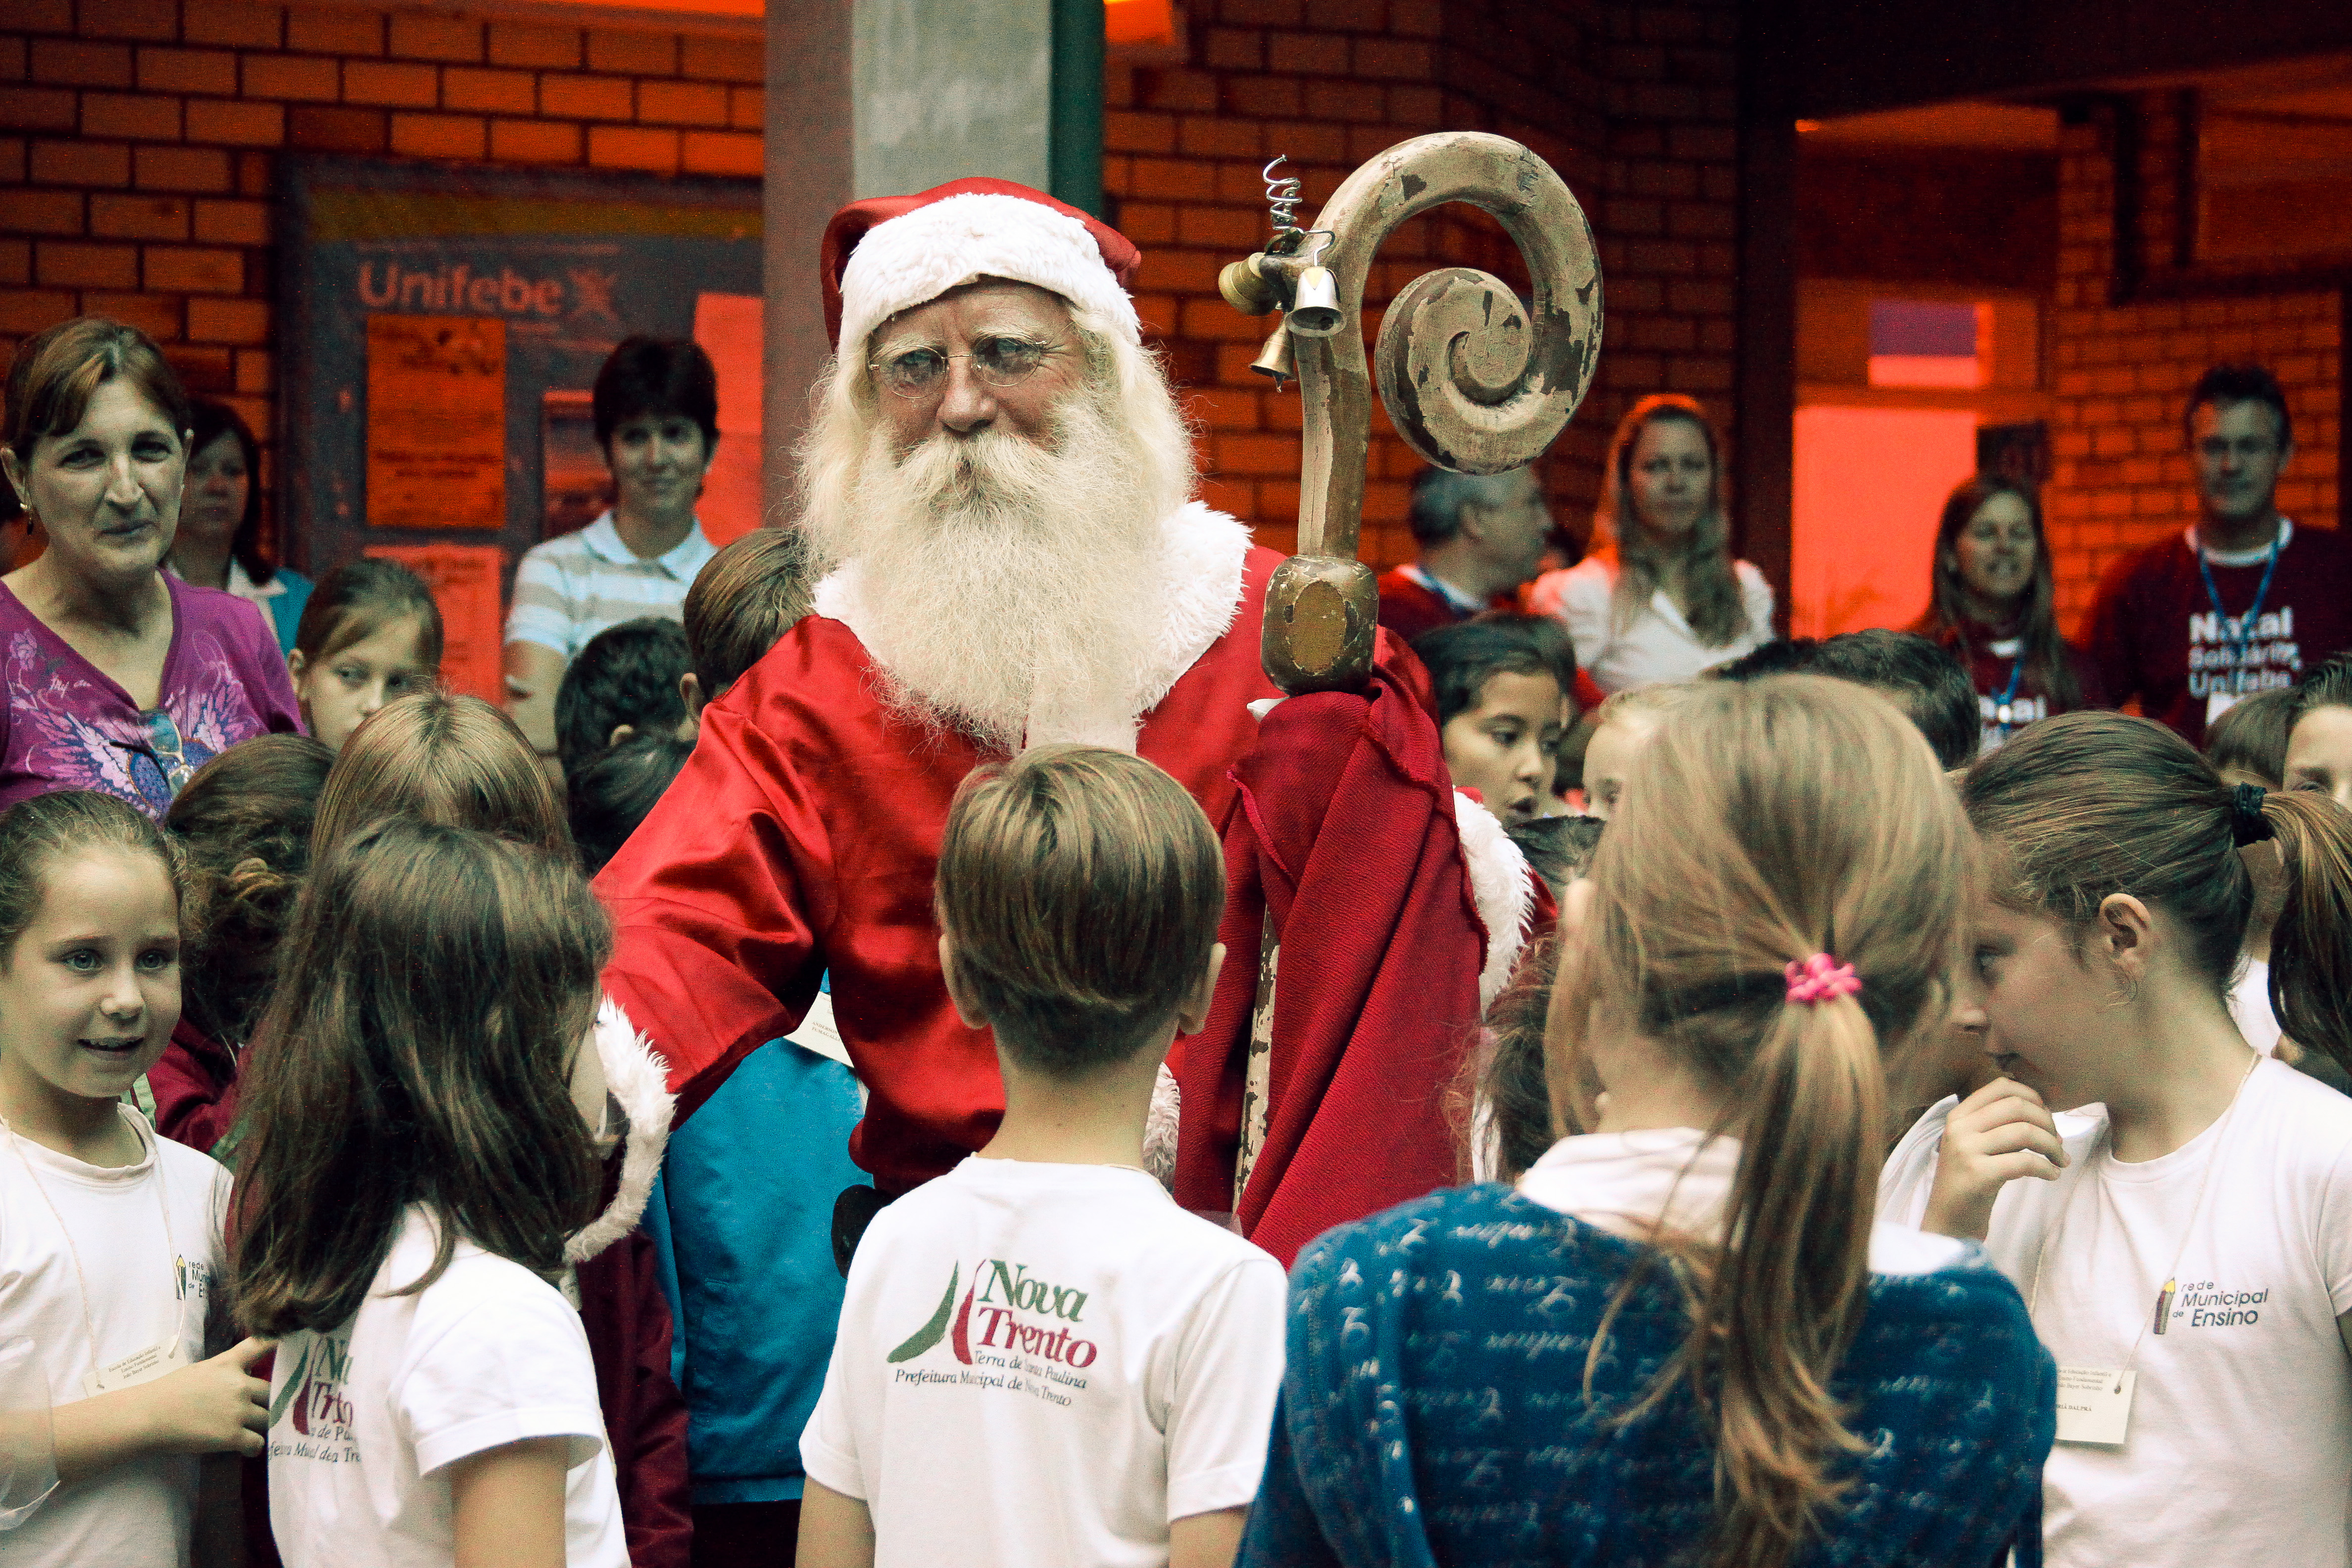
point(888, 254)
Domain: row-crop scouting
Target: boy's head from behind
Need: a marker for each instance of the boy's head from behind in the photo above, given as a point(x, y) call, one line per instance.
point(2247, 744)
point(747, 595)
point(625, 678)
point(1919, 673)
point(1079, 891)
point(614, 793)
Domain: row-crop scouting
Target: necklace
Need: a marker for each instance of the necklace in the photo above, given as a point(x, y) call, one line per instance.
point(2004, 705)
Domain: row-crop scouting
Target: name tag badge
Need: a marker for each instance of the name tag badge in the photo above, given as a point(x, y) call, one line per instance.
point(2218, 703)
point(2095, 1405)
point(140, 1367)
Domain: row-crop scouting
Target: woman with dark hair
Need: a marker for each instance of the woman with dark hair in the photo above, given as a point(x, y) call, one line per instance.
point(657, 409)
point(1660, 598)
point(219, 542)
point(120, 678)
point(1993, 605)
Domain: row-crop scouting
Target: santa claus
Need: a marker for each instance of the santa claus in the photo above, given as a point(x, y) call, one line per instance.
point(1000, 483)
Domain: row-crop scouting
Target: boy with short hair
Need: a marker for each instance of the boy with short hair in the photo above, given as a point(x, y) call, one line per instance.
point(1042, 1359)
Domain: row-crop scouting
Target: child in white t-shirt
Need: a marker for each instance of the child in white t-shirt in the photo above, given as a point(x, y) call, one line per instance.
point(109, 1236)
point(1042, 1359)
point(418, 1155)
point(2182, 1244)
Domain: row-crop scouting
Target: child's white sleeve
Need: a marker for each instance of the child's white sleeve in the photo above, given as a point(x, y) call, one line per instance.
point(512, 1366)
point(1909, 1174)
point(1227, 1375)
point(829, 1442)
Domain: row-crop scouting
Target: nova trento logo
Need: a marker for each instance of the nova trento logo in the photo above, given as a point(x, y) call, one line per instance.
point(1001, 1329)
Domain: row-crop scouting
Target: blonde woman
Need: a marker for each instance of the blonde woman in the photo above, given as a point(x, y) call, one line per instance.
point(1660, 598)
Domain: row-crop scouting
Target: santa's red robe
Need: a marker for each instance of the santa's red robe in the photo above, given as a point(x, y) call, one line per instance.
point(803, 836)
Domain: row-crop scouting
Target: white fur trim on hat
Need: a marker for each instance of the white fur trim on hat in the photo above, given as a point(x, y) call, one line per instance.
point(917, 257)
point(637, 1077)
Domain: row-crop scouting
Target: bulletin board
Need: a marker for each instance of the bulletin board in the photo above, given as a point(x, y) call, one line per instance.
point(440, 327)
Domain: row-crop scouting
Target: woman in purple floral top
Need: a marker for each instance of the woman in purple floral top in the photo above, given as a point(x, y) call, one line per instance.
point(119, 678)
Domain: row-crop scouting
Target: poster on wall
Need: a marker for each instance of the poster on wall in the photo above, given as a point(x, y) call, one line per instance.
point(436, 422)
point(395, 436)
point(464, 582)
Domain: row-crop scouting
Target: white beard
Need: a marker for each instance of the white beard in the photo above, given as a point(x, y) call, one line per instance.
point(1010, 590)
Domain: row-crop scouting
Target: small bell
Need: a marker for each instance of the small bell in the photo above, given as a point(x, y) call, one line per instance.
point(1315, 312)
point(1275, 358)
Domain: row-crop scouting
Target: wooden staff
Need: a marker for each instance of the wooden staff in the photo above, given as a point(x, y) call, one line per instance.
point(1473, 379)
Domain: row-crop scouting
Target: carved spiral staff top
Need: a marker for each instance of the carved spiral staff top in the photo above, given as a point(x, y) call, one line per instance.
point(1473, 379)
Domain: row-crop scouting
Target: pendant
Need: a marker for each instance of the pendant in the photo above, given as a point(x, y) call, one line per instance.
point(2002, 715)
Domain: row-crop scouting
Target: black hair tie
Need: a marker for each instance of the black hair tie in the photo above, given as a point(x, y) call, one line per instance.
point(2247, 823)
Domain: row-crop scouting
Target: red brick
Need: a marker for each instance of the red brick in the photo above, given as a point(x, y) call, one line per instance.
point(587, 96)
point(156, 19)
point(722, 152)
point(321, 129)
point(177, 270)
point(335, 32)
point(86, 266)
point(210, 372)
point(44, 211)
point(636, 54)
point(1130, 133)
point(440, 135)
point(394, 86)
point(234, 22)
point(426, 37)
point(139, 218)
point(12, 159)
point(37, 109)
point(535, 142)
point(1416, 18)
point(527, 43)
point(81, 163)
point(303, 77)
point(1200, 133)
point(1353, 15)
point(12, 59)
point(1264, 96)
point(188, 70)
point(31, 310)
point(15, 262)
point(1234, 48)
point(72, 62)
point(1173, 179)
point(1269, 454)
point(42, 16)
point(681, 103)
point(1178, 89)
point(142, 118)
point(238, 124)
point(492, 92)
point(713, 58)
point(747, 108)
point(632, 147)
point(233, 223)
point(228, 322)
point(1392, 59)
point(253, 372)
point(182, 169)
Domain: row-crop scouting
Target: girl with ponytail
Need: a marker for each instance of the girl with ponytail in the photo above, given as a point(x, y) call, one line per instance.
point(2170, 1200)
point(1682, 1338)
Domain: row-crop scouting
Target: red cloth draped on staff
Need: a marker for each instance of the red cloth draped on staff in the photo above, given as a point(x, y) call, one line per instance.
point(1344, 834)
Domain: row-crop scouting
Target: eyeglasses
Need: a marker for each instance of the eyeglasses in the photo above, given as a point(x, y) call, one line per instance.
point(999, 362)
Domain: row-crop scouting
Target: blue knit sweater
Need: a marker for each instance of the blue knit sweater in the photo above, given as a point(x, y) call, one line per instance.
point(1432, 1409)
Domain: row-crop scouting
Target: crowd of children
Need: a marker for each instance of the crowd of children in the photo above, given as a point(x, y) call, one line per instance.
point(1894, 1154)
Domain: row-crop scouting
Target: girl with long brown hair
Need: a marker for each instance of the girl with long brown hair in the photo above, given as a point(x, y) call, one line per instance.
point(417, 1163)
point(1993, 603)
point(1661, 598)
point(2170, 1200)
point(1680, 1338)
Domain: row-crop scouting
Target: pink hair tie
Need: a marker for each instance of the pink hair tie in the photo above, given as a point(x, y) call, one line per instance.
point(1820, 978)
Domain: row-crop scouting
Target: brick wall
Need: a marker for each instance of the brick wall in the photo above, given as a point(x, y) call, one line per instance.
point(1634, 104)
point(2121, 476)
point(137, 140)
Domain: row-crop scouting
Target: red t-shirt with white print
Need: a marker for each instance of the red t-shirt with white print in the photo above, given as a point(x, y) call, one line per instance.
point(2157, 633)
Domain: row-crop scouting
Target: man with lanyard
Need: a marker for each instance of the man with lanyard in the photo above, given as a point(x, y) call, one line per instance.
point(2242, 601)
